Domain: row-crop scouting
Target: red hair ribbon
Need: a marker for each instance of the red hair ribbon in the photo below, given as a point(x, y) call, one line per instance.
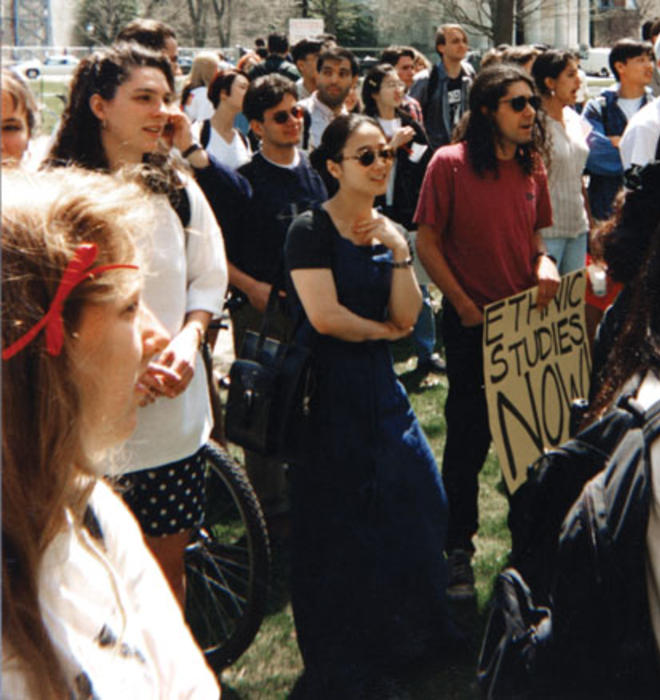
point(77, 271)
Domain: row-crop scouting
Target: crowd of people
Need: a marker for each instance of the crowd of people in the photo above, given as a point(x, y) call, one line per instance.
point(287, 177)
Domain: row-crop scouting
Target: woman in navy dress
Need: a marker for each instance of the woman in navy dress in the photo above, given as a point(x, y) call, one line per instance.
point(369, 507)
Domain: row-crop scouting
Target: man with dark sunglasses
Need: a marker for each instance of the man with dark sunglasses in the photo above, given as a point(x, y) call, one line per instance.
point(482, 204)
point(283, 185)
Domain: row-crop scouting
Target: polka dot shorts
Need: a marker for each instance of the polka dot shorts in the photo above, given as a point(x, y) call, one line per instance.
point(169, 499)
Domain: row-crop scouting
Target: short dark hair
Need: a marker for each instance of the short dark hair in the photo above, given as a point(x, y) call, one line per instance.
point(392, 54)
point(628, 48)
point(654, 29)
point(222, 82)
point(265, 92)
point(151, 33)
point(277, 43)
point(304, 48)
point(478, 128)
point(338, 54)
point(441, 33)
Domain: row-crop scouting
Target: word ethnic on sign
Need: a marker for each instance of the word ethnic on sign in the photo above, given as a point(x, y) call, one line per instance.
point(536, 361)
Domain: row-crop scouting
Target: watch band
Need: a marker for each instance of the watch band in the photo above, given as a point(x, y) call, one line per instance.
point(191, 149)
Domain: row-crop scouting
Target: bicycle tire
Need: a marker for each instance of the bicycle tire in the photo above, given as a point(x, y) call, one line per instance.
point(227, 564)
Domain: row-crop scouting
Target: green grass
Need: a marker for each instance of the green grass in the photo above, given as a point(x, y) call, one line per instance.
point(268, 670)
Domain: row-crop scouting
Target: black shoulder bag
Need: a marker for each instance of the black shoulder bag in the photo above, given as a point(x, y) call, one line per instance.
point(270, 392)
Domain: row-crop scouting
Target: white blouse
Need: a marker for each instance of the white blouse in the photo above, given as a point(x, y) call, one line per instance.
point(569, 152)
point(111, 615)
point(187, 271)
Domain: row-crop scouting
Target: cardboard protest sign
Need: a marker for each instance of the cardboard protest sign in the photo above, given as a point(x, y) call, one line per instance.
point(535, 363)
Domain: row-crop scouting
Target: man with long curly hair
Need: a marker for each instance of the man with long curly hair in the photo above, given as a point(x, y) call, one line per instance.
point(480, 209)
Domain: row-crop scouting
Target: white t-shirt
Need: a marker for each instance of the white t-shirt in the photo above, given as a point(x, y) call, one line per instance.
point(640, 138)
point(233, 154)
point(199, 107)
point(567, 160)
point(112, 617)
point(390, 127)
point(187, 271)
point(629, 107)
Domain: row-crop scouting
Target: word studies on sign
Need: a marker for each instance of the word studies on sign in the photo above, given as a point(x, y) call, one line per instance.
point(536, 362)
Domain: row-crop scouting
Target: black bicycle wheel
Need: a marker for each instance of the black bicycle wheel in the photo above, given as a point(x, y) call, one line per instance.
point(227, 564)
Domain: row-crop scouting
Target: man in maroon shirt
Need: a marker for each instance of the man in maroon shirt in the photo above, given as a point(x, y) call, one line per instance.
point(482, 204)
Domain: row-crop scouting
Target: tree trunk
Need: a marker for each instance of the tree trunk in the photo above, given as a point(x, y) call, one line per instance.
point(503, 22)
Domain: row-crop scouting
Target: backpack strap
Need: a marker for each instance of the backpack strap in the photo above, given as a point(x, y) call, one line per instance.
point(651, 427)
point(602, 101)
point(434, 79)
point(205, 133)
point(307, 125)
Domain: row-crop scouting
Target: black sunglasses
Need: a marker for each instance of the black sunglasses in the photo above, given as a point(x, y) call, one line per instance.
point(519, 103)
point(368, 156)
point(282, 117)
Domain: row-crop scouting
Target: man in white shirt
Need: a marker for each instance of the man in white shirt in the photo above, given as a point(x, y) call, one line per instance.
point(337, 72)
point(608, 114)
point(639, 143)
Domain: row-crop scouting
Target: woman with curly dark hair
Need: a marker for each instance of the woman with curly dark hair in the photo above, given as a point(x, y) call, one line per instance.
point(121, 114)
point(624, 242)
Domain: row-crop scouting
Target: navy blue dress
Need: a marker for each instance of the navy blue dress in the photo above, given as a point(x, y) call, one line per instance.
point(368, 505)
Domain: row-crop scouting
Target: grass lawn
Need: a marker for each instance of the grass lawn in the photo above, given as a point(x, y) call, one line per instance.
point(268, 670)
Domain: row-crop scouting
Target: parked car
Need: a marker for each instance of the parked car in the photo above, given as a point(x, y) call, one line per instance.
point(59, 64)
point(185, 64)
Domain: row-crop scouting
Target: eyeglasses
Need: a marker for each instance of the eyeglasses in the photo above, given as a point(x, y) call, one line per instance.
point(394, 84)
point(519, 103)
point(368, 156)
point(282, 117)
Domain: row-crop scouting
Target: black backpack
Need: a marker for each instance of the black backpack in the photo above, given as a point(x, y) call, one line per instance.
point(576, 624)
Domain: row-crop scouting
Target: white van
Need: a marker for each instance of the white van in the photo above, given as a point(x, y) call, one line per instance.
point(596, 62)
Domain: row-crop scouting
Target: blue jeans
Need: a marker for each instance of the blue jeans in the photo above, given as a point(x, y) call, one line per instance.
point(570, 253)
point(424, 331)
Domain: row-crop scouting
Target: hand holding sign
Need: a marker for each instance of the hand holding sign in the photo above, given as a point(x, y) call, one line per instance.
point(536, 361)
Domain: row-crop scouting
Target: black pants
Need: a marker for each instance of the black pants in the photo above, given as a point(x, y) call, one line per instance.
point(468, 433)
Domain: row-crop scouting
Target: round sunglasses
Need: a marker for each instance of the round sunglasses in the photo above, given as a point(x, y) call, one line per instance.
point(282, 117)
point(519, 103)
point(368, 156)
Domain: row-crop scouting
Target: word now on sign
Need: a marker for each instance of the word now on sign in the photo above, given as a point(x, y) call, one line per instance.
point(535, 363)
